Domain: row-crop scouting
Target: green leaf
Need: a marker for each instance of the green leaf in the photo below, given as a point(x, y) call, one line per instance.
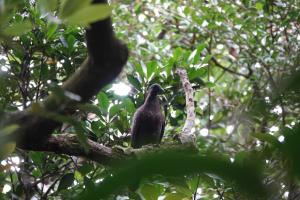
point(195, 55)
point(139, 69)
point(103, 101)
point(90, 108)
point(176, 196)
point(6, 148)
point(210, 84)
point(135, 82)
point(192, 57)
point(47, 5)
point(86, 168)
point(37, 173)
point(175, 163)
point(151, 191)
point(18, 28)
point(96, 127)
point(181, 186)
point(151, 68)
point(52, 27)
point(264, 137)
point(89, 184)
point(197, 73)
point(37, 157)
point(71, 42)
point(129, 105)
point(206, 59)
point(78, 176)
point(69, 7)
point(177, 53)
point(80, 132)
point(66, 181)
point(170, 66)
point(8, 129)
point(89, 14)
point(114, 110)
point(259, 6)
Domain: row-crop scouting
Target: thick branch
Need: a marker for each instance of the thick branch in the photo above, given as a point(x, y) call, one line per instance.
point(107, 55)
point(106, 58)
point(69, 144)
point(186, 135)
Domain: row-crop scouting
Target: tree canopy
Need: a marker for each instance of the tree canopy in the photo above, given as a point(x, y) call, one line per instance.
point(73, 73)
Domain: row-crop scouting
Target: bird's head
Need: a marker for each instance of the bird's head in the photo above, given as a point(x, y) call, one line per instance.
point(156, 89)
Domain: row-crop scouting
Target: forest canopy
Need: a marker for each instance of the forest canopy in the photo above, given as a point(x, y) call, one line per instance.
point(74, 72)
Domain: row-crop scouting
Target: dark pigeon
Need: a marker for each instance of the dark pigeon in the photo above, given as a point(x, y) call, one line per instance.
point(148, 121)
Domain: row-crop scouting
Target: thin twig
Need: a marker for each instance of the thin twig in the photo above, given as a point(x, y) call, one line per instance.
point(209, 101)
point(229, 70)
point(51, 187)
point(54, 183)
point(275, 88)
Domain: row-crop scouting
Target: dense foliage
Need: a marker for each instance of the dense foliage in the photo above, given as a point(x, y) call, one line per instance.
point(242, 58)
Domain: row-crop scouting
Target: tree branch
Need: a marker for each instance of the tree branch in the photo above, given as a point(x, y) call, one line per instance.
point(186, 135)
point(69, 144)
point(106, 58)
point(229, 70)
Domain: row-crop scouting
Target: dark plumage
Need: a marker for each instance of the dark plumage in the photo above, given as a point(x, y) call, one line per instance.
point(148, 121)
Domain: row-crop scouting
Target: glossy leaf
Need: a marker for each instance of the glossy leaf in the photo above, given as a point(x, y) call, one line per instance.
point(134, 81)
point(69, 7)
point(18, 28)
point(89, 14)
point(103, 101)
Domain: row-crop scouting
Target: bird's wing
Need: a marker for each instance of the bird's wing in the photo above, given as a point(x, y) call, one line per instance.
point(135, 130)
point(162, 129)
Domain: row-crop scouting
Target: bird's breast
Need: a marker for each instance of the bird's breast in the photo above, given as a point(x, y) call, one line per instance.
point(151, 123)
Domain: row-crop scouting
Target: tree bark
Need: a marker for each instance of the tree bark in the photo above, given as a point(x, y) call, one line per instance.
point(186, 135)
point(106, 57)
